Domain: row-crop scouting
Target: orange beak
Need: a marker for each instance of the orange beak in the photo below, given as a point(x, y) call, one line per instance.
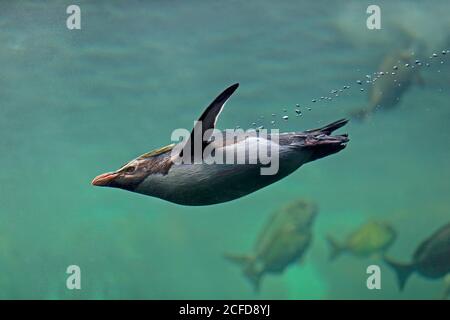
point(104, 179)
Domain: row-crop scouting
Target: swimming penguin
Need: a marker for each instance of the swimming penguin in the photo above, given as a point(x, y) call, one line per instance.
point(162, 174)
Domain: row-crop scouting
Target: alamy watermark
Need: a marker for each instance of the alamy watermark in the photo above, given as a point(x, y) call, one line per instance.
point(231, 146)
point(74, 279)
point(374, 280)
point(73, 21)
point(373, 22)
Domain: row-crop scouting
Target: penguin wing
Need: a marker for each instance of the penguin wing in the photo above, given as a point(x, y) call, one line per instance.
point(208, 120)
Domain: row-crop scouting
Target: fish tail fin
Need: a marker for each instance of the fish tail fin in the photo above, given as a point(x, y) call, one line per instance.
point(254, 276)
point(336, 248)
point(248, 267)
point(402, 270)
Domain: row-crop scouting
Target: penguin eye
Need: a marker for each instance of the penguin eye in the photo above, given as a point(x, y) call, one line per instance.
point(130, 169)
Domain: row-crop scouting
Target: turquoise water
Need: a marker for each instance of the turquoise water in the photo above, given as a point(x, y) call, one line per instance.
point(79, 103)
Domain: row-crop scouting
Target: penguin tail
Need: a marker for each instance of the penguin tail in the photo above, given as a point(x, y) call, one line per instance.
point(336, 249)
point(402, 270)
point(247, 263)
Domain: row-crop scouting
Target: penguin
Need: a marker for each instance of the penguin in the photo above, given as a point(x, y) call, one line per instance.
point(162, 173)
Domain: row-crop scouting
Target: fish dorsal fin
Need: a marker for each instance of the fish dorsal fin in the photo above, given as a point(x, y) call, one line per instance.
point(207, 121)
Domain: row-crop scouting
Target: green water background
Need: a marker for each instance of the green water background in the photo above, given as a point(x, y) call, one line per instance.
point(75, 104)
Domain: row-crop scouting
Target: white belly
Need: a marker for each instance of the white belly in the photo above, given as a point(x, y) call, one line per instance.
point(203, 184)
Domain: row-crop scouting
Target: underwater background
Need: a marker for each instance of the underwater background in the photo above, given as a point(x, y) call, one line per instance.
point(77, 103)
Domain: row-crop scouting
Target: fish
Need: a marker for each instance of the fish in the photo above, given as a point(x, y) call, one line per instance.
point(169, 174)
point(370, 239)
point(395, 76)
point(431, 258)
point(283, 241)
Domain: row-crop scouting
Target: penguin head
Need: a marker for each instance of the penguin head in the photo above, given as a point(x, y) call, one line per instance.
point(319, 143)
point(323, 145)
point(127, 177)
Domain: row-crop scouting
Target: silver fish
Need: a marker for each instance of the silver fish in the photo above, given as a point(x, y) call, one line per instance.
point(431, 258)
point(283, 241)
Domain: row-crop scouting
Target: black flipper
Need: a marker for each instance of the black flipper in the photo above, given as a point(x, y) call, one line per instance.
point(207, 121)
